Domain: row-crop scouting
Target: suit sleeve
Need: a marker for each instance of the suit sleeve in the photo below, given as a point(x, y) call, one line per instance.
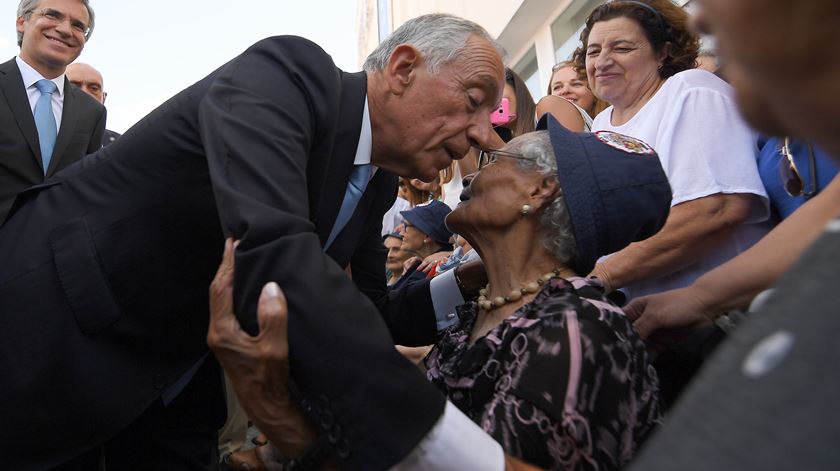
point(408, 311)
point(258, 123)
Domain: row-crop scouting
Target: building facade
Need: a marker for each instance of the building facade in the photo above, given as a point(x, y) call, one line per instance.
point(535, 33)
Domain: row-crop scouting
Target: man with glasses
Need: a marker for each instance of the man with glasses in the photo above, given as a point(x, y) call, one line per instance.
point(106, 296)
point(47, 124)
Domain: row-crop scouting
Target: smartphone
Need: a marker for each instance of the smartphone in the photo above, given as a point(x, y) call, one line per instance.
point(502, 114)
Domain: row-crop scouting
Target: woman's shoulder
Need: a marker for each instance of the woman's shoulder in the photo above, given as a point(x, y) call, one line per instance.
point(697, 80)
point(564, 111)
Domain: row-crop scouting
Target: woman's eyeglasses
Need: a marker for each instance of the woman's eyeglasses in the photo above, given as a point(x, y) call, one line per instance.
point(489, 156)
point(791, 178)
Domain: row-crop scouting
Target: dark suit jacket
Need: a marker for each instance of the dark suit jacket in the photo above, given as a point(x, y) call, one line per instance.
point(103, 304)
point(109, 137)
point(82, 125)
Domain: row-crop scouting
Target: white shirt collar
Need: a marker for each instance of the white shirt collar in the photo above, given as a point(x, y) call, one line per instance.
point(30, 76)
point(365, 146)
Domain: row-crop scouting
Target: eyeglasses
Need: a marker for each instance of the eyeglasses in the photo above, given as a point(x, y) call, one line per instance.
point(57, 17)
point(791, 178)
point(489, 156)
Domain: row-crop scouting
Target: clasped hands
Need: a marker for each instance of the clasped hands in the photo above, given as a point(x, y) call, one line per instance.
point(258, 366)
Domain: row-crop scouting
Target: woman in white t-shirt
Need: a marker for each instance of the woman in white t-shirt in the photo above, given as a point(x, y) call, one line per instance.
point(640, 57)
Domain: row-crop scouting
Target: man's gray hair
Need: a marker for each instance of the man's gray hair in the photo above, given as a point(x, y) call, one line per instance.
point(555, 225)
point(439, 37)
point(26, 7)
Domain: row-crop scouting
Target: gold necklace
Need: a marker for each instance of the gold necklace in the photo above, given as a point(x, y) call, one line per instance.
point(515, 295)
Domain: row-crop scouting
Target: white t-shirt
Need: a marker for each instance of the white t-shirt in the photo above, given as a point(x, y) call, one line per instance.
point(705, 148)
point(452, 190)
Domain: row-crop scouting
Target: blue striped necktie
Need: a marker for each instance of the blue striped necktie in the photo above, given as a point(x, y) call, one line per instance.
point(359, 178)
point(45, 120)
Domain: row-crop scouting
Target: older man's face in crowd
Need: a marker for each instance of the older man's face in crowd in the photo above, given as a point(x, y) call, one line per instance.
point(786, 55)
point(437, 117)
point(88, 79)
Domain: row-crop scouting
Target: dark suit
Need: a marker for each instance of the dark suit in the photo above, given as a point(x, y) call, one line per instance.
point(82, 125)
point(109, 137)
point(103, 305)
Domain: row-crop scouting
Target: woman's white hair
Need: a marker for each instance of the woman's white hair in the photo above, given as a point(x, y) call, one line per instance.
point(438, 36)
point(555, 225)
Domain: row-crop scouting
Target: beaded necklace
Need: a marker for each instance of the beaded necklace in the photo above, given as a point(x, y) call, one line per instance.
point(515, 295)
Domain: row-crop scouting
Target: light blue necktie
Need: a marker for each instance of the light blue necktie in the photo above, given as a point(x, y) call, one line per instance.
point(359, 178)
point(45, 120)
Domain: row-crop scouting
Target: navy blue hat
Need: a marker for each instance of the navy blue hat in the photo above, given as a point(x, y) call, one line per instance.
point(428, 218)
point(614, 187)
point(394, 234)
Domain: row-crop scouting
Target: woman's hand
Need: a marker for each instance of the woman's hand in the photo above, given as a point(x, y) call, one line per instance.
point(258, 367)
point(663, 319)
point(433, 260)
point(410, 262)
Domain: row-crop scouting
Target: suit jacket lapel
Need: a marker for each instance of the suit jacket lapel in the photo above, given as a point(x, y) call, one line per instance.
point(11, 84)
point(68, 125)
point(354, 90)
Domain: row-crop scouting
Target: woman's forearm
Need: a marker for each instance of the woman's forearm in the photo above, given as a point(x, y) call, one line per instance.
point(692, 230)
point(734, 284)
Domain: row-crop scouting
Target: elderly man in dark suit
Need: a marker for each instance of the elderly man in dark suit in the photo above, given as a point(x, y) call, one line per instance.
point(46, 123)
point(103, 305)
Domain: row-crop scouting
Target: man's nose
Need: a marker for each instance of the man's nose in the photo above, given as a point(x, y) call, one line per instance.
point(478, 131)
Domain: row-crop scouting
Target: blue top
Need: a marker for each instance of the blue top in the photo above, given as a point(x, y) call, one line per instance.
point(769, 158)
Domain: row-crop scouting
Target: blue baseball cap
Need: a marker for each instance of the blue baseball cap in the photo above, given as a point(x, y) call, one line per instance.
point(429, 218)
point(614, 187)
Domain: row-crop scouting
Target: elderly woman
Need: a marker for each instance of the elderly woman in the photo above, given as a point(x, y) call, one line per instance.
point(395, 258)
point(424, 233)
point(639, 56)
point(543, 362)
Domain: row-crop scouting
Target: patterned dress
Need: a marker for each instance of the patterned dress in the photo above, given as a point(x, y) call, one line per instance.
point(564, 383)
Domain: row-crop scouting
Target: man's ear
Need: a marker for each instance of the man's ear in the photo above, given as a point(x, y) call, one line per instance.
point(19, 24)
point(401, 68)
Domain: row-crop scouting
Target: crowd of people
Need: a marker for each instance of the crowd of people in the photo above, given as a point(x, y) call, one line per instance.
point(507, 283)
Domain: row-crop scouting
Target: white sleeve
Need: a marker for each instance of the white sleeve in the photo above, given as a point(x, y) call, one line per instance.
point(445, 297)
point(455, 442)
point(706, 148)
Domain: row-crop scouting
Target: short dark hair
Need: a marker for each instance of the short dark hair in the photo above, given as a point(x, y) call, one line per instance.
point(663, 23)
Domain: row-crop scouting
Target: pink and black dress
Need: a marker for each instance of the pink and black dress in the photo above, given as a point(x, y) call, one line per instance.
point(564, 383)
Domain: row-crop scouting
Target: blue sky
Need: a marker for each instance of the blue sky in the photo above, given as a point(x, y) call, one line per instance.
point(149, 50)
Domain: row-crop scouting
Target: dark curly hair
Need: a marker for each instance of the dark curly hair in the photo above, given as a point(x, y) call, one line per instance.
point(663, 23)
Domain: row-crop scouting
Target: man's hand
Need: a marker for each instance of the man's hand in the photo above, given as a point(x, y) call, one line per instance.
point(258, 367)
point(663, 319)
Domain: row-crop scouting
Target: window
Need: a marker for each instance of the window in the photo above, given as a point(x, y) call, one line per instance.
point(530, 74)
point(565, 31)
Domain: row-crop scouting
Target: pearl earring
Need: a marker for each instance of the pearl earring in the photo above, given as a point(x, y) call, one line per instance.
point(526, 209)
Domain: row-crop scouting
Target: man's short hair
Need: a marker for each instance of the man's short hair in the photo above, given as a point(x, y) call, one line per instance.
point(26, 7)
point(439, 37)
